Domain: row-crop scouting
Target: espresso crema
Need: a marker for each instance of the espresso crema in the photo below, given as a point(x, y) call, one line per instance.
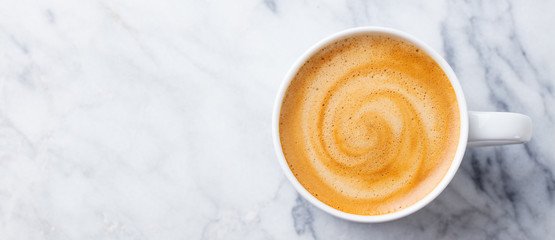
point(370, 124)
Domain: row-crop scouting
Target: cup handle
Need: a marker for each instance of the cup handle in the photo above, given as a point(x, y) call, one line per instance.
point(498, 128)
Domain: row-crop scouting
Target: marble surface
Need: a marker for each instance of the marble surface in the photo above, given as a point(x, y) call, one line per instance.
point(151, 119)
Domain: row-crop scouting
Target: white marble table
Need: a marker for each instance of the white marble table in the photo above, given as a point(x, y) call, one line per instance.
point(151, 119)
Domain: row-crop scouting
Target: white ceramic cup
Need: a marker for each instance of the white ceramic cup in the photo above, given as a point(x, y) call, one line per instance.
point(477, 128)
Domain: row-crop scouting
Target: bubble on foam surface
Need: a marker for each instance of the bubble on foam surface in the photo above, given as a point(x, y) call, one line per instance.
point(368, 122)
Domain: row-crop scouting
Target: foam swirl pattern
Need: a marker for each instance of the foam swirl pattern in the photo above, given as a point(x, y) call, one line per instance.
point(369, 125)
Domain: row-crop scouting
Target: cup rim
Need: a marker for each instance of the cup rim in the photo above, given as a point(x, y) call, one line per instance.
point(463, 135)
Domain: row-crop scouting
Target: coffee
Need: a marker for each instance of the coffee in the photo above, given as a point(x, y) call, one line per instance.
point(370, 124)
